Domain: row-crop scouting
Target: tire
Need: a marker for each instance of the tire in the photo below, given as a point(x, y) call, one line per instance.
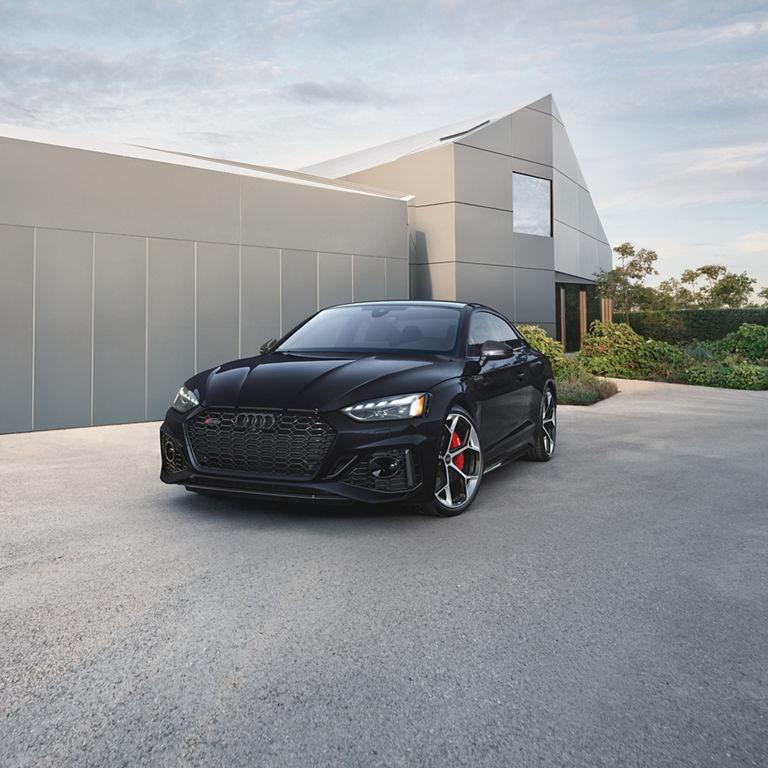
point(546, 431)
point(460, 466)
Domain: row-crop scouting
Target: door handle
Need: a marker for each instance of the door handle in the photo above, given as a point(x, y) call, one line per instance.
point(520, 376)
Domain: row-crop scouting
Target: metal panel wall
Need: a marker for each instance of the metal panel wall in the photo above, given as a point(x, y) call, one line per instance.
point(63, 328)
point(370, 277)
point(217, 304)
point(16, 335)
point(170, 321)
point(334, 279)
point(60, 187)
point(119, 329)
point(260, 287)
point(299, 297)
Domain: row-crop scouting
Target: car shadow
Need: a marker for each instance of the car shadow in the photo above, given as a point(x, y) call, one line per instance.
point(269, 514)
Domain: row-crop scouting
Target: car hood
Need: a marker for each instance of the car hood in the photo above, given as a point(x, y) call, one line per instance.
point(309, 382)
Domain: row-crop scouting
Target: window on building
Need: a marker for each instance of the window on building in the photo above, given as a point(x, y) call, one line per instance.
point(531, 205)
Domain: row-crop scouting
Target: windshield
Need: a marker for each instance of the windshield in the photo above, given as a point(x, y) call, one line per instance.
point(378, 328)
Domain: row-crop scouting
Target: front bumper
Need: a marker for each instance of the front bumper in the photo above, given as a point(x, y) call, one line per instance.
point(344, 474)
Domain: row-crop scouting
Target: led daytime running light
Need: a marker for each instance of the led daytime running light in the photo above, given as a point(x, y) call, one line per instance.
point(388, 408)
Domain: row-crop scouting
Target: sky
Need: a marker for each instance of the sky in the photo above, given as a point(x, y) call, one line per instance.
point(666, 103)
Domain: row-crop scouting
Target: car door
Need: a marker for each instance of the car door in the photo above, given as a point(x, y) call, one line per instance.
point(502, 385)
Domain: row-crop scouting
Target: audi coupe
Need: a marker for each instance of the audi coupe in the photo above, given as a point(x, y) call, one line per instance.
point(408, 402)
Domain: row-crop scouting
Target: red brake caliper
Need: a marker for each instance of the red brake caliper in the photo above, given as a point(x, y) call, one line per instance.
point(455, 443)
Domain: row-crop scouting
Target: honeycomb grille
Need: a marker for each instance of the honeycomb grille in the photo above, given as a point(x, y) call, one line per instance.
point(359, 474)
point(274, 444)
point(172, 454)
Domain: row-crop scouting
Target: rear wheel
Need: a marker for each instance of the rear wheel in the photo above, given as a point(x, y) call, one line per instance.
point(459, 466)
point(546, 433)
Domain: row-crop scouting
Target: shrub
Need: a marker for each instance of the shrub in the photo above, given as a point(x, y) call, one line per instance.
point(750, 341)
point(539, 340)
point(685, 325)
point(579, 387)
point(575, 385)
point(614, 349)
point(730, 376)
point(701, 351)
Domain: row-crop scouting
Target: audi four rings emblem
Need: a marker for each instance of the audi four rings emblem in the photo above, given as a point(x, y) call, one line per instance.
point(262, 421)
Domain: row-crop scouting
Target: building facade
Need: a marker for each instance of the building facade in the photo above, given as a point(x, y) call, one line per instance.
point(500, 214)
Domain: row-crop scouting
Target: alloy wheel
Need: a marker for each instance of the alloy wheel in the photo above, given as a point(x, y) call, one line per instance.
point(548, 422)
point(460, 463)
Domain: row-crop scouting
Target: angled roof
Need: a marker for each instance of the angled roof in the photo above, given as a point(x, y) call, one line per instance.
point(393, 150)
point(192, 161)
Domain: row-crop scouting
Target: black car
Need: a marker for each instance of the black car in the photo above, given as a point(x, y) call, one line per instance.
point(387, 401)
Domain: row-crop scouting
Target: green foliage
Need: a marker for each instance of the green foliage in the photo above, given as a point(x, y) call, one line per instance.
point(614, 349)
point(579, 387)
point(538, 339)
point(730, 376)
point(738, 361)
point(701, 351)
point(624, 283)
point(575, 385)
point(720, 288)
point(680, 326)
point(731, 290)
point(750, 341)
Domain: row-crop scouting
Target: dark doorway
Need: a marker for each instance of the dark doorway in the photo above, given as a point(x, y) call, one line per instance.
point(576, 307)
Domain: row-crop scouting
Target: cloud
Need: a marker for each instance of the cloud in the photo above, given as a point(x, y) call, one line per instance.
point(723, 159)
point(336, 92)
point(697, 36)
point(753, 242)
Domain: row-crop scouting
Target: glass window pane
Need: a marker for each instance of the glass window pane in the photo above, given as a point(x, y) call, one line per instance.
point(487, 327)
point(531, 205)
point(378, 327)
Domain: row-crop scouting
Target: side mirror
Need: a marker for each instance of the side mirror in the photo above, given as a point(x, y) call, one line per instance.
point(268, 346)
point(494, 350)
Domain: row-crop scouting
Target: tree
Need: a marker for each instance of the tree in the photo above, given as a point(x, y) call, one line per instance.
point(624, 283)
point(675, 293)
point(731, 290)
point(763, 294)
point(721, 288)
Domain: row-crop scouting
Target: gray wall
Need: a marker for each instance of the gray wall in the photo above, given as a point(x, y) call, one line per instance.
point(122, 276)
point(462, 242)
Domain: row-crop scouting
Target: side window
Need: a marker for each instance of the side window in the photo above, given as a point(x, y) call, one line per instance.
point(484, 326)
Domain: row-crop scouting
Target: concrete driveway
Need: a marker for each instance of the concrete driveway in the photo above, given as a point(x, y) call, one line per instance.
point(609, 608)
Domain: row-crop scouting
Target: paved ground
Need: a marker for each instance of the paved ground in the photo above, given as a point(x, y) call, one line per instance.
point(610, 608)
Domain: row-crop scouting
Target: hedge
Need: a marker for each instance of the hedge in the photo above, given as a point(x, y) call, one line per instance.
point(685, 325)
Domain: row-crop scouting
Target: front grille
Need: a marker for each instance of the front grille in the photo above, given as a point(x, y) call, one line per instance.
point(269, 443)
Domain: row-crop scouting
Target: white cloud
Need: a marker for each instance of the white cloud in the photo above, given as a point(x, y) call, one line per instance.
point(753, 242)
point(698, 36)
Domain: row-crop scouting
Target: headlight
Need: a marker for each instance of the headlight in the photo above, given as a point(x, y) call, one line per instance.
point(185, 400)
point(386, 408)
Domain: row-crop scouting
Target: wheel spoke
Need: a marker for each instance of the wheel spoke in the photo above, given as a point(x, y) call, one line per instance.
point(446, 489)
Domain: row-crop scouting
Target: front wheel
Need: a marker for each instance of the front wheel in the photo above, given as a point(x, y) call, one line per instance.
point(459, 466)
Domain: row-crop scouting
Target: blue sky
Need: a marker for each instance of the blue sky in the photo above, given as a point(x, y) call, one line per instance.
point(666, 103)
